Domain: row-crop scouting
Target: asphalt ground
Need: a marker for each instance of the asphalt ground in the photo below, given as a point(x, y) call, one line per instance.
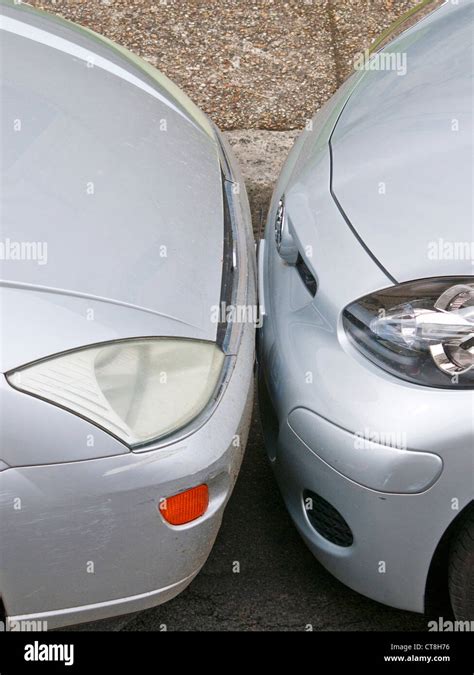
point(260, 69)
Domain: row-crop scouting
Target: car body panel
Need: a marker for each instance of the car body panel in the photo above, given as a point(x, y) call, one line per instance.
point(61, 321)
point(137, 214)
point(395, 535)
point(409, 211)
point(380, 466)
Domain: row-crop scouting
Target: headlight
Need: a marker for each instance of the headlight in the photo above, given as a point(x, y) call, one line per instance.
point(421, 331)
point(138, 390)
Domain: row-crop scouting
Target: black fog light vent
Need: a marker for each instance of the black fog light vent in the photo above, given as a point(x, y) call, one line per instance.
point(306, 275)
point(326, 520)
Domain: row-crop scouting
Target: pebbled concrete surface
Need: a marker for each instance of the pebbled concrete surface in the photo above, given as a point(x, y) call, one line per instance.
point(261, 155)
point(250, 64)
point(355, 24)
point(259, 68)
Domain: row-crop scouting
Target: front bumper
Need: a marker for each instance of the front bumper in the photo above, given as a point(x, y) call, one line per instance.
point(85, 540)
point(393, 536)
point(82, 541)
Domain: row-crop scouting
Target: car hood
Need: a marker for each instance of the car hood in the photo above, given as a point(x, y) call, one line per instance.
point(402, 151)
point(111, 186)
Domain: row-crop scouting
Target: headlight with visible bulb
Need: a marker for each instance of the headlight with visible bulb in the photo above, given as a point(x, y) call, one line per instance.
point(420, 331)
point(139, 390)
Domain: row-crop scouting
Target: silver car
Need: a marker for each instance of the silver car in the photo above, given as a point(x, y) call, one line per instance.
point(366, 353)
point(126, 391)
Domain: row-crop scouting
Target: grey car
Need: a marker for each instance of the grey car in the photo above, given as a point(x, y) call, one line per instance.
point(126, 390)
point(366, 352)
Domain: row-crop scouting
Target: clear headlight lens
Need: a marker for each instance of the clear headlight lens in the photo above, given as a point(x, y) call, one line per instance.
point(138, 390)
point(422, 331)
